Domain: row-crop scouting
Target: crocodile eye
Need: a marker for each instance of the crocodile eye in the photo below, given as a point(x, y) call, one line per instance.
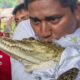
point(31, 38)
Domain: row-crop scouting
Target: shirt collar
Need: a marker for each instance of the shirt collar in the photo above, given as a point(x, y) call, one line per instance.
point(70, 40)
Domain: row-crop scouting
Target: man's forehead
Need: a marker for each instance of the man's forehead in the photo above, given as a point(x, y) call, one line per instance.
point(30, 1)
point(47, 7)
point(42, 11)
point(40, 3)
point(39, 0)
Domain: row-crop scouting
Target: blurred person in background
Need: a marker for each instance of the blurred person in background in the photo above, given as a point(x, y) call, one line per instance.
point(20, 13)
point(23, 29)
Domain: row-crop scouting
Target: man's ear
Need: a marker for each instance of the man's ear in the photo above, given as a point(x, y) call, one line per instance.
point(77, 15)
point(77, 12)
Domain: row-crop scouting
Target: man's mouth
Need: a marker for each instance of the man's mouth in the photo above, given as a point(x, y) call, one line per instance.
point(46, 40)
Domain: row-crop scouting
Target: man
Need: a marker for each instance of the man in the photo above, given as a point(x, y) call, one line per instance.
point(26, 31)
point(56, 21)
point(20, 13)
point(52, 23)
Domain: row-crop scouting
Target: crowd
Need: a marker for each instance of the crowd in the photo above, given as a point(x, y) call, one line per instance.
point(48, 21)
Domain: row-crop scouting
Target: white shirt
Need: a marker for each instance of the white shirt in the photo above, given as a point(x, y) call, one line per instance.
point(70, 58)
point(70, 40)
point(23, 30)
point(18, 72)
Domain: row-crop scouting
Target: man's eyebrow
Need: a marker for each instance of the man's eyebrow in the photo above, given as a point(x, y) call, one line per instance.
point(34, 18)
point(53, 17)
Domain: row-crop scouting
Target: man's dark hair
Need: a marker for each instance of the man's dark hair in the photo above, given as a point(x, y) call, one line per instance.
point(66, 3)
point(19, 7)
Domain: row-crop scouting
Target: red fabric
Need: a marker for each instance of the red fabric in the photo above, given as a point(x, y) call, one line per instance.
point(78, 7)
point(1, 33)
point(5, 68)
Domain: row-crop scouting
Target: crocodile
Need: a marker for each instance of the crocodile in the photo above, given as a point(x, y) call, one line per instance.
point(34, 54)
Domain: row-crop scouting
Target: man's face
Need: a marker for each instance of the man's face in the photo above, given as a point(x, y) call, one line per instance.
point(50, 20)
point(20, 16)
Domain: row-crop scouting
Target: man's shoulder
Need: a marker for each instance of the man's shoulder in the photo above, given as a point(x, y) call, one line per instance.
point(24, 24)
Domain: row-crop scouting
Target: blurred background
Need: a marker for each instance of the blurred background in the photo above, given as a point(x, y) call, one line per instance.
point(6, 17)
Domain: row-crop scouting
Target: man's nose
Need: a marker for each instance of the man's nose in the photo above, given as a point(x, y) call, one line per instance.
point(45, 29)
